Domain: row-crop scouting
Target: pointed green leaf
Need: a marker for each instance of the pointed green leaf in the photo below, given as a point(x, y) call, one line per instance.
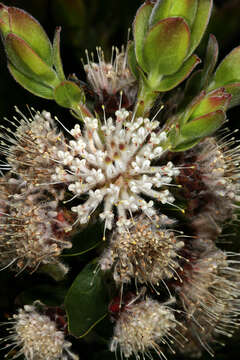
point(203, 126)
point(210, 60)
point(32, 86)
point(132, 61)
point(27, 28)
point(68, 94)
point(201, 21)
point(166, 46)
point(86, 302)
point(28, 62)
point(171, 81)
point(57, 62)
point(215, 100)
point(228, 71)
point(187, 112)
point(140, 27)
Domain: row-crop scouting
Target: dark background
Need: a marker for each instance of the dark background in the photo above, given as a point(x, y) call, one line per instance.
point(87, 24)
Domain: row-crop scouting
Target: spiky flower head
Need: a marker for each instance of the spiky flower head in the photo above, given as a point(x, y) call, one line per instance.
point(143, 326)
point(112, 80)
point(112, 163)
point(29, 147)
point(36, 337)
point(210, 294)
point(33, 228)
point(146, 252)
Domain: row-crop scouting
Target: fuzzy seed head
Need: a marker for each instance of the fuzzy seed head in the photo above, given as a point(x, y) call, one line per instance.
point(112, 163)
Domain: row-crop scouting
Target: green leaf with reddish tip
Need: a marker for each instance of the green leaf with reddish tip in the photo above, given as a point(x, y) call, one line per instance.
point(203, 126)
point(68, 94)
point(132, 61)
point(27, 28)
point(187, 112)
point(234, 90)
point(171, 81)
point(32, 86)
point(57, 62)
point(215, 100)
point(28, 62)
point(228, 71)
point(200, 23)
point(210, 60)
point(86, 302)
point(140, 28)
point(165, 48)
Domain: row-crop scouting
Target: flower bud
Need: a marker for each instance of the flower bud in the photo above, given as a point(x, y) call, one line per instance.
point(29, 51)
point(165, 36)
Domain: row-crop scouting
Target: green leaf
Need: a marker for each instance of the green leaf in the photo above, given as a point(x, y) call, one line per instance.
point(228, 71)
point(28, 29)
point(168, 8)
point(132, 61)
point(185, 145)
point(28, 62)
point(215, 100)
point(34, 87)
point(86, 302)
point(210, 60)
point(57, 62)
point(166, 46)
point(160, 11)
point(140, 27)
point(201, 21)
point(68, 94)
point(171, 81)
point(186, 9)
point(203, 126)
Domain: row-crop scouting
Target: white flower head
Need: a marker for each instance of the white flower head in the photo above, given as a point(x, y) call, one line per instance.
point(113, 164)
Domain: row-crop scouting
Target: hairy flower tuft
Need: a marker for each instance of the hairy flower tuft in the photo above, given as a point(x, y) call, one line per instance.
point(142, 327)
point(33, 229)
point(37, 338)
point(210, 295)
point(108, 79)
point(30, 147)
point(112, 163)
point(145, 252)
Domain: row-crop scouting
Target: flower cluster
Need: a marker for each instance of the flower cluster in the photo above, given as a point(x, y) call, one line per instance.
point(112, 163)
point(146, 167)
